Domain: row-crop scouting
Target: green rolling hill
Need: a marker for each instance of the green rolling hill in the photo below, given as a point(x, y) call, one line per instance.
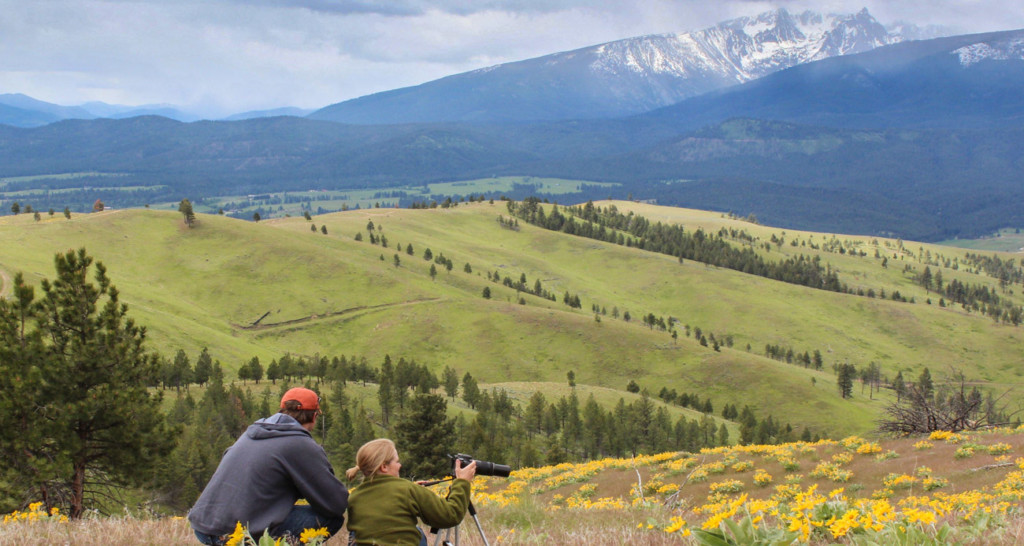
point(245, 289)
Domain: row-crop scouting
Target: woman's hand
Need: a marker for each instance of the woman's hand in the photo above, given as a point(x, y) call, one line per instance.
point(466, 473)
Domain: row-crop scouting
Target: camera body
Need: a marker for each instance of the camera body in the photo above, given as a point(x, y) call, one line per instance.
point(483, 468)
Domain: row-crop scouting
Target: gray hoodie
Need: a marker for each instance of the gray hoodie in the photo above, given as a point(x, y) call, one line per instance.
point(274, 463)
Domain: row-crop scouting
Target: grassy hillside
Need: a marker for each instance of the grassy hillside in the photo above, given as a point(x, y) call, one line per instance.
point(245, 289)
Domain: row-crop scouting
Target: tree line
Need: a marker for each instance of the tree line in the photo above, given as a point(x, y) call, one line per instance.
point(974, 297)
point(631, 230)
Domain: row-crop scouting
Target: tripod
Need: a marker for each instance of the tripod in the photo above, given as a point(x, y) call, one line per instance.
point(449, 532)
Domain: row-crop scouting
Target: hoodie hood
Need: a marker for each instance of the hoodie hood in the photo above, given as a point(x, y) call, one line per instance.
point(276, 426)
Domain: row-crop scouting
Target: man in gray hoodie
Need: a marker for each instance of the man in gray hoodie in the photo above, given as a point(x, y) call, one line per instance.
point(273, 464)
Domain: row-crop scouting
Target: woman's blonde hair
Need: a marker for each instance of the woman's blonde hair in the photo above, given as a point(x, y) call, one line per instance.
point(370, 457)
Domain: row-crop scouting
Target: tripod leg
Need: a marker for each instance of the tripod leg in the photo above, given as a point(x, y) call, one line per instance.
point(481, 529)
point(447, 535)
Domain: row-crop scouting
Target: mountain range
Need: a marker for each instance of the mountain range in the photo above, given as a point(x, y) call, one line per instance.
point(624, 77)
point(960, 81)
point(613, 79)
point(21, 110)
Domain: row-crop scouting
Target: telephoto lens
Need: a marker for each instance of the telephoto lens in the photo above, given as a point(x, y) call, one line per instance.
point(483, 468)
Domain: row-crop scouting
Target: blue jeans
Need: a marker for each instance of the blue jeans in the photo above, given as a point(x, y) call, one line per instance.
point(301, 517)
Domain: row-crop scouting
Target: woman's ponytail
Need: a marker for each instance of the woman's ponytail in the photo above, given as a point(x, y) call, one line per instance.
point(371, 456)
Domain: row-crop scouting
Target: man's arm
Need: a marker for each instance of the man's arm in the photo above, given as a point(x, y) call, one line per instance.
point(315, 480)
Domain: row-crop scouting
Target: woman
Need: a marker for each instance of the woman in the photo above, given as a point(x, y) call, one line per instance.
point(384, 508)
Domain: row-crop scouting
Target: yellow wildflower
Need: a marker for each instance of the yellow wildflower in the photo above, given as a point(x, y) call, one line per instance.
point(309, 535)
point(237, 536)
point(676, 524)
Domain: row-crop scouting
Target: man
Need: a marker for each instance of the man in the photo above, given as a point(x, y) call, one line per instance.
point(274, 463)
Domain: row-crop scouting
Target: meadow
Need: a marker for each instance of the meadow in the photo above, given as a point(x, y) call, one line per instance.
point(264, 289)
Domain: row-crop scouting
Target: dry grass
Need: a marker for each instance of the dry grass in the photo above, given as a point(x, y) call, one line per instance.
point(606, 528)
point(540, 514)
point(591, 528)
point(119, 531)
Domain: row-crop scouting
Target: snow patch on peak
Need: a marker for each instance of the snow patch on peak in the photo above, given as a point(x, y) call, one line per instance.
point(1003, 51)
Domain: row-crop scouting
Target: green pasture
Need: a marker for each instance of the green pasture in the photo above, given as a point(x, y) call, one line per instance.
point(556, 186)
point(57, 176)
point(369, 199)
point(332, 295)
point(28, 194)
point(328, 199)
point(1006, 240)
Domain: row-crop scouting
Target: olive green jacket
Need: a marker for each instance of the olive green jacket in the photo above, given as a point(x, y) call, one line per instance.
point(384, 510)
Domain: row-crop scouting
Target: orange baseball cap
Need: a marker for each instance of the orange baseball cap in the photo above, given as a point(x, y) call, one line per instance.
point(307, 399)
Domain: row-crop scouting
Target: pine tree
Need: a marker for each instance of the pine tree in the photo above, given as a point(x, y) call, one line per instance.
point(385, 392)
point(899, 385)
point(470, 390)
point(92, 403)
point(723, 435)
point(594, 441)
point(185, 208)
point(244, 373)
point(203, 369)
point(450, 379)
point(340, 449)
point(24, 464)
point(924, 382)
point(363, 430)
point(424, 436)
point(180, 371)
point(255, 370)
point(845, 379)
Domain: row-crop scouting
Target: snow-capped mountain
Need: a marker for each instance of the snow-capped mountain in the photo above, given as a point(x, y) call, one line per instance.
point(966, 81)
point(746, 48)
point(626, 76)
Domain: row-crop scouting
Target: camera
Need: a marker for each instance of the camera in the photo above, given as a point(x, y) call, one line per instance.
point(483, 468)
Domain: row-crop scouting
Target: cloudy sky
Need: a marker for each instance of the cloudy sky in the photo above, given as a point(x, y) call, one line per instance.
point(225, 56)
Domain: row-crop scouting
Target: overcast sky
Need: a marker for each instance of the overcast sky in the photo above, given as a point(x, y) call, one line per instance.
point(226, 56)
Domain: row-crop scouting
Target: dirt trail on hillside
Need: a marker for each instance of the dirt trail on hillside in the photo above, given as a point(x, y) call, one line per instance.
point(257, 325)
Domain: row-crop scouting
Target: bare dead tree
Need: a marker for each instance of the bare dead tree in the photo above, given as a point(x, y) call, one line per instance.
point(955, 407)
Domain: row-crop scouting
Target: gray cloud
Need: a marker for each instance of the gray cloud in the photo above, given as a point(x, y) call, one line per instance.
point(345, 7)
point(420, 7)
